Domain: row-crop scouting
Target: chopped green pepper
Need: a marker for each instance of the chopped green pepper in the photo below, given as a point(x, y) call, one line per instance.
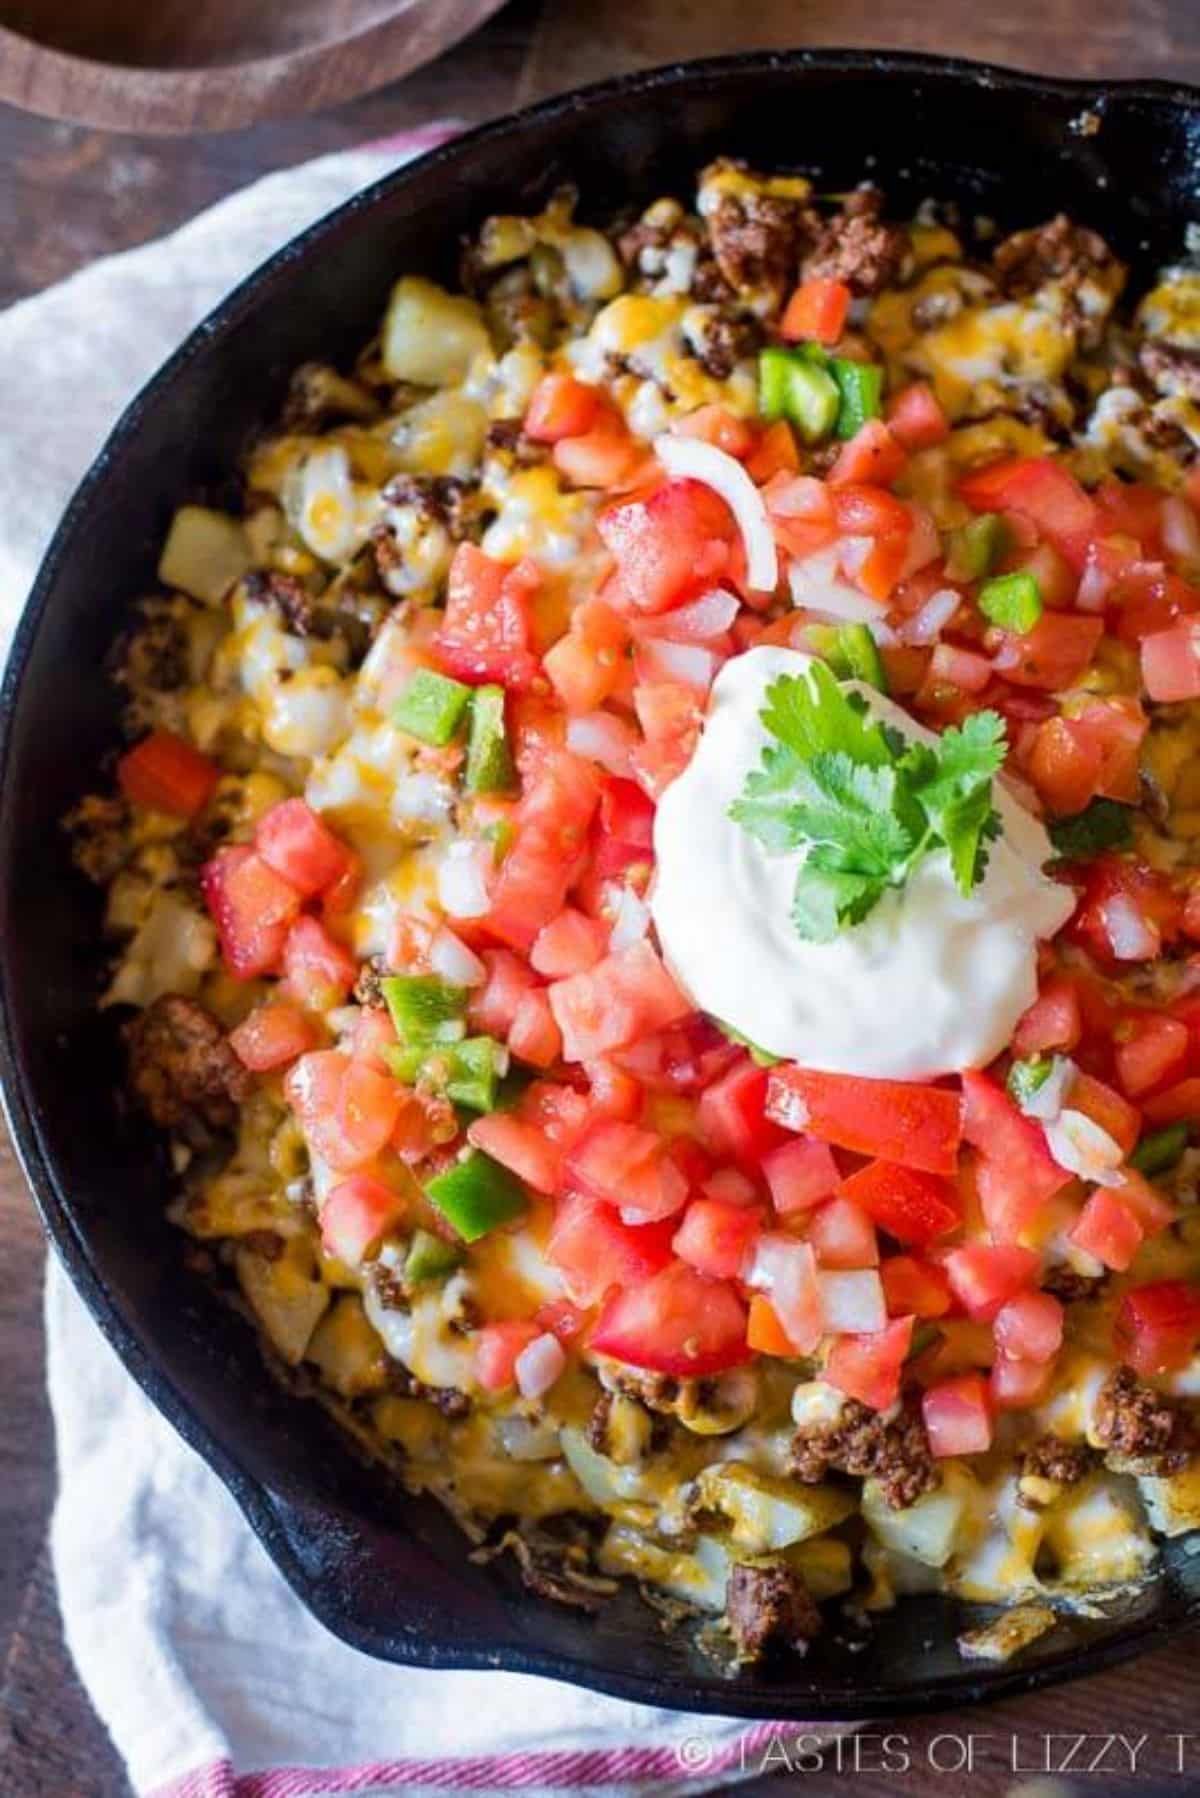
point(760, 1057)
point(489, 759)
point(431, 707)
point(424, 1008)
point(851, 652)
point(467, 1072)
point(1104, 824)
point(429, 1258)
point(1013, 601)
point(975, 548)
point(1159, 1151)
point(476, 1195)
point(1025, 1078)
point(860, 385)
point(793, 385)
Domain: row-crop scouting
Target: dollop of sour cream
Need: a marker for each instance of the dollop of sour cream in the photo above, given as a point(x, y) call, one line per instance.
point(930, 983)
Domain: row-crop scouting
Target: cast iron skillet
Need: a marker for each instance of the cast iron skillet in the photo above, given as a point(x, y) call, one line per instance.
point(388, 1573)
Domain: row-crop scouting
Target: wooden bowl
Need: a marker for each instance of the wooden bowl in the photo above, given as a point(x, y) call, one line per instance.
point(213, 65)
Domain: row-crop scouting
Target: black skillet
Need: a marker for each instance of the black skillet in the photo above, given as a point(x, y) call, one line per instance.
point(386, 1572)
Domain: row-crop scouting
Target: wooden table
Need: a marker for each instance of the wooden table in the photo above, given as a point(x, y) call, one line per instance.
point(70, 195)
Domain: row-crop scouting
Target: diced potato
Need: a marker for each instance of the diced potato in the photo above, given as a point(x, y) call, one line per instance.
point(825, 1564)
point(204, 554)
point(1007, 1635)
point(1173, 1503)
point(443, 435)
point(698, 1578)
point(926, 1531)
point(431, 337)
point(346, 1351)
point(998, 1563)
point(287, 1303)
point(236, 1203)
point(765, 1513)
point(1098, 1534)
point(604, 1481)
point(171, 952)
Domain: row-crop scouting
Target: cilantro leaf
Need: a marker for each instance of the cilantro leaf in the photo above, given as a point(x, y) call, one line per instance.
point(1104, 824)
point(863, 803)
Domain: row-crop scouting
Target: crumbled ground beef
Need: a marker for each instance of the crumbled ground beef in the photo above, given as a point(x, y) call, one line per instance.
point(319, 396)
point(754, 238)
point(1140, 1430)
point(1051, 1458)
point(855, 245)
point(157, 654)
point(444, 498)
point(596, 1433)
point(769, 1608)
point(507, 435)
point(368, 989)
point(99, 830)
point(866, 1444)
point(445, 1399)
point(1056, 251)
point(182, 1066)
point(1174, 369)
point(721, 337)
point(289, 596)
point(1064, 1283)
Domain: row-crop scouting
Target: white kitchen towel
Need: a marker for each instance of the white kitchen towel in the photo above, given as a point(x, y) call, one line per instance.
point(210, 1676)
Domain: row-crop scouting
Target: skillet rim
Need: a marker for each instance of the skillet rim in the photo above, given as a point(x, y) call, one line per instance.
point(267, 1513)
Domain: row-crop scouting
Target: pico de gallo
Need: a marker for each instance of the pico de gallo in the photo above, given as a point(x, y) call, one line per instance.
point(655, 885)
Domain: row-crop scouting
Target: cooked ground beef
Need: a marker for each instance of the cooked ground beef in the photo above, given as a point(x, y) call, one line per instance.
point(507, 435)
point(754, 238)
point(319, 396)
point(157, 654)
point(596, 1433)
point(722, 336)
point(289, 596)
point(769, 1607)
point(1056, 251)
point(864, 1443)
point(445, 1399)
point(1174, 369)
point(1050, 1458)
point(856, 246)
point(99, 830)
point(1141, 1430)
point(451, 502)
point(182, 1066)
point(1064, 1283)
point(368, 989)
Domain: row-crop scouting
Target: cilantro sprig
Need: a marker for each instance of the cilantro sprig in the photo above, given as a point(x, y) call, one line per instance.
point(865, 804)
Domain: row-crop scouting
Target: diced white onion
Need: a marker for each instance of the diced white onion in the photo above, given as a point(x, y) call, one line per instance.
point(1047, 1101)
point(786, 1269)
point(631, 919)
point(462, 880)
point(450, 958)
point(1130, 936)
point(690, 459)
point(815, 585)
point(930, 620)
point(853, 1302)
point(603, 737)
point(699, 620)
point(539, 1365)
point(689, 663)
point(1078, 1144)
point(816, 1404)
point(422, 797)
point(924, 543)
point(1180, 529)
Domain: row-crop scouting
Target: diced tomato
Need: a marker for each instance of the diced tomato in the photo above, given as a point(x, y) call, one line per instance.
point(1152, 1210)
point(613, 1093)
point(911, 1205)
point(961, 668)
point(561, 1318)
point(520, 1147)
point(776, 453)
point(1016, 1172)
point(368, 1109)
point(842, 1235)
point(714, 1237)
point(1158, 1326)
point(606, 456)
point(355, 1214)
point(867, 1367)
point(677, 1322)
point(1147, 600)
point(1054, 654)
point(816, 310)
point(319, 971)
point(252, 907)
point(594, 1250)
point(553, 820)
point(1171, 663)
point(1179, 1104)
point(732, 1120)
point(916, 1126)
point(1151, 1051)
point(984, 1276)
point(1126, 910)
point(582, 678)
point(669, 713)
point(629, 1168)
point(534, 1036)
point(272, 1036)
point(494, 1005)
point(958, 1416)
point(1116, 726)
point(341, 898)
point(1115, 1115)
point(719, 426)
point(1044, 492)
point(1108, 1229)
point(560, 406)
point(1030, 1327)
point(786, 1270)
point(731, 1186)
point(293, 840)
point(373, 1033)
point(916, 419)
point(667, 545)
point(314, 1087)
point(765, 1335)
point(1015, 1384)
point(1064, 766)
point(571, 943)
point(626, 996)
point(166, 774)
point(497, 1347)
point(800, 1173)
point(627, 814)
point(685, 1058)
point(1053, 1022)
point(915, 1287)
point(872, 457)
point(487, 628)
